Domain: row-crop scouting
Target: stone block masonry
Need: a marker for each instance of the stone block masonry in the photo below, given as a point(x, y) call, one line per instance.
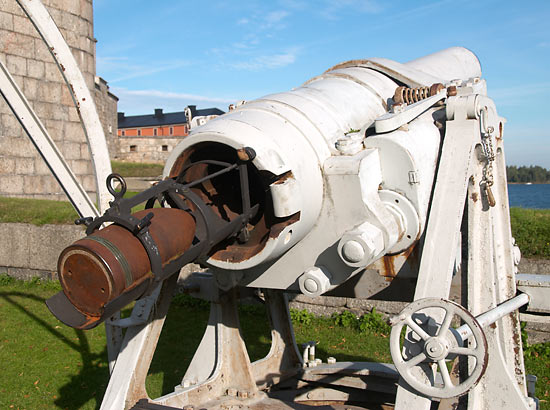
point(145, 149)
point(28, 251)
point(23, 173)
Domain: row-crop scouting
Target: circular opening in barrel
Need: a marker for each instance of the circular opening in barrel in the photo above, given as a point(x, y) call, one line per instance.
point(223, 195)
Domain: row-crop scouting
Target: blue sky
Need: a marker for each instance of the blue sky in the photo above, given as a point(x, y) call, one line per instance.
point(168, 54)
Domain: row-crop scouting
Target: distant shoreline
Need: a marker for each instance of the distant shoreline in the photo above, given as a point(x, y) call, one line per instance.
point(528, 183)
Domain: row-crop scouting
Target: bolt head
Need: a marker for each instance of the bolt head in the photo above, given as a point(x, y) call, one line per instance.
point(310, 285)
point(353, 251)
point(436, 349)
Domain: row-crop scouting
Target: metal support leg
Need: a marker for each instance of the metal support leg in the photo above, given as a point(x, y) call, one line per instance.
point(232, 374)
point(490, 282)
point(443, 230)
point(283, 359)
point(127, 382)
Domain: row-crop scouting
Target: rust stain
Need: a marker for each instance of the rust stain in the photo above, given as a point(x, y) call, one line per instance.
point(284, 177)
point(222, 195)
point(475, 196)
point(391, 268)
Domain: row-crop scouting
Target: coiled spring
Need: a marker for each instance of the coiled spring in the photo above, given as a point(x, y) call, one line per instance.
point(406, 95)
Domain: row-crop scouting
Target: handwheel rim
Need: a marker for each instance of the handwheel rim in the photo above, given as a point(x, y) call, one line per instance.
point(415, 370)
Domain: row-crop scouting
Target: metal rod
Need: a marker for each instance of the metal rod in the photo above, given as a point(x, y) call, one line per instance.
point(210, 176)
point(491, 316)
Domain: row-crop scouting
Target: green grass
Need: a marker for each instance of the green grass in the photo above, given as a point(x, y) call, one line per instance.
point(531, 229)
point(36, 211)
point(41, 211)
point(131, 169)
point(46, 365)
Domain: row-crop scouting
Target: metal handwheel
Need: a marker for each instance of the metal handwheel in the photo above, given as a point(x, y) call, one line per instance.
point(434, 346)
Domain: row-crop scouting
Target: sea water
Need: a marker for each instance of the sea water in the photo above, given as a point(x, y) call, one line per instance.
point(529, 195)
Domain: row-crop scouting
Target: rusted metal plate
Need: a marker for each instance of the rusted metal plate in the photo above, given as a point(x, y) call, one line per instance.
point(223, 196)
point(110, 262)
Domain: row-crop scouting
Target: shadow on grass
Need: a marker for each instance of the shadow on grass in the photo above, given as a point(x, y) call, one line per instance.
point(91, 381)
point(181, 335)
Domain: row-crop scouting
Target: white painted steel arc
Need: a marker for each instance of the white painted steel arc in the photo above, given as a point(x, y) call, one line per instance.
point(48, 30)
point(297, 130)
point(45, 145)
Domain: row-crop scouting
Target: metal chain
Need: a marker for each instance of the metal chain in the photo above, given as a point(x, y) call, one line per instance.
point(489, 152)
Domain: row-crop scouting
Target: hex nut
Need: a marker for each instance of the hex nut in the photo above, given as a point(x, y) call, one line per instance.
point(314, 281)
point(361, 245)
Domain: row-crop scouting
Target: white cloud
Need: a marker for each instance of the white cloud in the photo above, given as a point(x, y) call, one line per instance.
point(266, 62)
point(243, 21)
point(169, 95)
point(333, 8)
point(136, 102)
point(119, 69)
point(275, 17)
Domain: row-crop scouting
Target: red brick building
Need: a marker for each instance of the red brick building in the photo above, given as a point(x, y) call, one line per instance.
point(150, 138)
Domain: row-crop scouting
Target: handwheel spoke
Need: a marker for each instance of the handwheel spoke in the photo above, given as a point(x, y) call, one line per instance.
point(446, 322)
point(416, 360)
point(445, 373)
point(417, 329)
point(464, 351)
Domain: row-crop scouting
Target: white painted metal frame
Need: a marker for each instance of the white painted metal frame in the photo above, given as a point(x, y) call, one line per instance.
point(490, 267)
point(44, 144)
point(84, 102)
point(220, 367)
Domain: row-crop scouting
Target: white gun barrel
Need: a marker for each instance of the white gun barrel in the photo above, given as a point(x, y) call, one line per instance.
point(333, 195)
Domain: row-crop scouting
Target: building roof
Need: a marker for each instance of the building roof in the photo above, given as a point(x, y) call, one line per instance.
point(160, 118)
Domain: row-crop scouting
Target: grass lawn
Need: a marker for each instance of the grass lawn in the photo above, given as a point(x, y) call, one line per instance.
point(41, 211)
point(531, 228)
point(131, 169)
point(46, 365)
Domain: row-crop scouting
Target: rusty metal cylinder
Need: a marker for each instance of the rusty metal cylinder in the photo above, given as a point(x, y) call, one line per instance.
point(102, 266)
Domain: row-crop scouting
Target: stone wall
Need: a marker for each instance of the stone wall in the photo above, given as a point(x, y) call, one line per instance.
point(23, 173)
point(28, 251)
point(145, 149)
point(106, 105)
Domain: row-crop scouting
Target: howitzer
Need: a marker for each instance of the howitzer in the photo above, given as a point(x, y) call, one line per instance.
point(285, 192)
point(354, 184)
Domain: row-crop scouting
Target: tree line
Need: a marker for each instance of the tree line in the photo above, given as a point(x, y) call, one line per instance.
point(532, 173)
